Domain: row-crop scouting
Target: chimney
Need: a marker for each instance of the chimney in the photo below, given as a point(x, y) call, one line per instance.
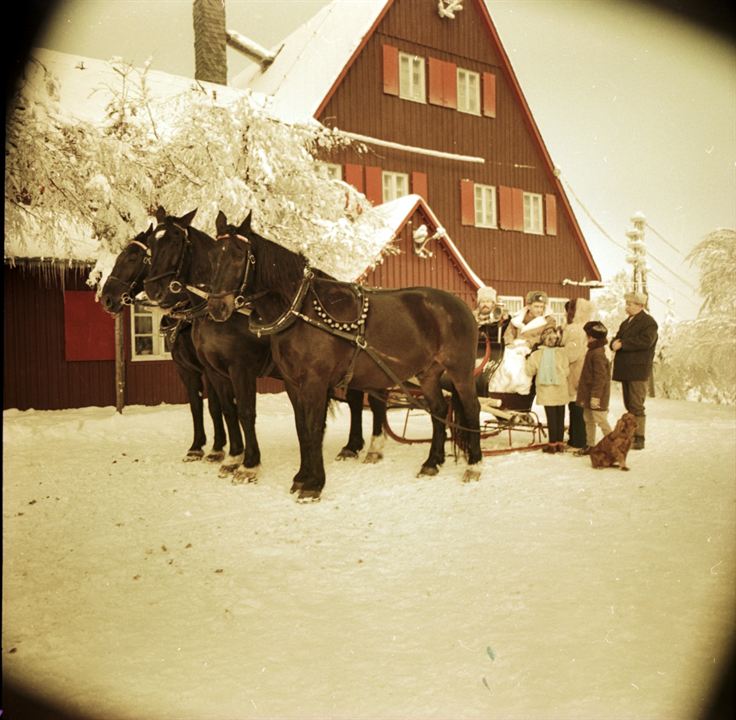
point(210, 54)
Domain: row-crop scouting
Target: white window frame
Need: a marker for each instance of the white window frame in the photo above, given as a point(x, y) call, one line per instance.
point(158, 342)
point(332, 171)
point(511, 303)
point(391, 185)
point(485, 206)
point(557, 306)
point(412, 85)
point(468, 91)
point(533, 213)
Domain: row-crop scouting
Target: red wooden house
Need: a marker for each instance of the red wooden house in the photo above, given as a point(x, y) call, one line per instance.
point(432, 94)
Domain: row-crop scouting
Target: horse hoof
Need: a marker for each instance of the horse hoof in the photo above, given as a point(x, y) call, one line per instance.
point(193, 456)
point(226, 470)
point(215, 456)
point(308, 496)
point(471, 475)
point(244, 475)
point(373, 457)
point(346, 454)
point(428, 470)
point(295, 487)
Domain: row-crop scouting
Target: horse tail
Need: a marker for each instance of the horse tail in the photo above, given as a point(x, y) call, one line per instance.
point(460, 431)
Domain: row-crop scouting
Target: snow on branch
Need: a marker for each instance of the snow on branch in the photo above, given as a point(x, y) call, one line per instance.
point(83, 189)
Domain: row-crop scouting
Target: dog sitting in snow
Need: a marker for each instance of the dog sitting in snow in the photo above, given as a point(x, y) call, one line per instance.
point(614, 447)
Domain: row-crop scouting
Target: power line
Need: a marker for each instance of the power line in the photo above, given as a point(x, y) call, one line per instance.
point(664, 240)
point(622, 247)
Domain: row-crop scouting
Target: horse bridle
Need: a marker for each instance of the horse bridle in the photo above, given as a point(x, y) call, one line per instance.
point(127, 296)
point(176, 286)
point(241, 300)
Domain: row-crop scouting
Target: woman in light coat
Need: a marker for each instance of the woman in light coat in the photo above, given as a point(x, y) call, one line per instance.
point(574, 341)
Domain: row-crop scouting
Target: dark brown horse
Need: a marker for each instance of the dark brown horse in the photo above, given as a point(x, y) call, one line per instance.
point(122, 285)
point(325, 334)
point(180, 262)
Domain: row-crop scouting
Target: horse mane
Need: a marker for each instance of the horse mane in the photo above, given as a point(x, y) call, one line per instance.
point(276, 267)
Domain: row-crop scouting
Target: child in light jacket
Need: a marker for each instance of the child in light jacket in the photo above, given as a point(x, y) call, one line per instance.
point(550, 364)
point(594, 388)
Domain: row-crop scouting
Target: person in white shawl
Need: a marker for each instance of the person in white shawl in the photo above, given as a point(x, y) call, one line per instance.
point(521, 337)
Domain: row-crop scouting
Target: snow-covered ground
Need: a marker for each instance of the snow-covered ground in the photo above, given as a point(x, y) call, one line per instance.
point(139, 586)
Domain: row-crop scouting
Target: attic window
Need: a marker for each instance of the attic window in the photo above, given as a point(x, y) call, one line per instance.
point(411, 78)
point(468, 91)
point(533, 218)
point(485, 206)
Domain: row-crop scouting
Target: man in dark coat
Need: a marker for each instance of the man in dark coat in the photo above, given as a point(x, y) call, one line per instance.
point(634, 345)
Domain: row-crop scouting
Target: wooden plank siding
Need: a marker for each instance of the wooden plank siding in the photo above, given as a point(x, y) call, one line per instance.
point(506, 259)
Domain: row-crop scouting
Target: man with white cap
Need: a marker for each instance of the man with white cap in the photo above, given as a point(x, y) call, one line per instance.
point(634, 345)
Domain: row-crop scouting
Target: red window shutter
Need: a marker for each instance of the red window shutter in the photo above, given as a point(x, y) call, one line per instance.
point(518, 205)
point(489, 95)
point(390, 70)
point(89, 332)
point(467, 202)
point(374, 184)
point(436, 79)
point(449, 84)
point(419, 184)
point(354, 176)
point(506, 208)
point(550, 212)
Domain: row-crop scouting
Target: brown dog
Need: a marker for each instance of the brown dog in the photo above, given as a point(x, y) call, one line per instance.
point(614, 448)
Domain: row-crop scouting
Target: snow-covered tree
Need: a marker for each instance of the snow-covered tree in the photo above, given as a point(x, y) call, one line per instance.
point(609, 301)
point(188, 150)
point(697, 361)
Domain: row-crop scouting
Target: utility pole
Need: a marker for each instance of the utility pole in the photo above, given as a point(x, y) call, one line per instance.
point(637, 257)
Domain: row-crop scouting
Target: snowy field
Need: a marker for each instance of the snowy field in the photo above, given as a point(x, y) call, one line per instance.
point(139, 586)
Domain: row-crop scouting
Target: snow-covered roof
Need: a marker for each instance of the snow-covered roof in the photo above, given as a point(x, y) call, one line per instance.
point(87, 85)
point(310, 60)
point(396, 213)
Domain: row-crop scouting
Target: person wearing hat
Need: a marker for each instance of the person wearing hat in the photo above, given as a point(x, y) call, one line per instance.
point(491, 319)
point(521, 336)
point(531, 320)
point(594, 386)
point(634, 345)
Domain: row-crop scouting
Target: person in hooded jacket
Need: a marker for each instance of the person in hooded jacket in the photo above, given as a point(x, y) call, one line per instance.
point(574, 340)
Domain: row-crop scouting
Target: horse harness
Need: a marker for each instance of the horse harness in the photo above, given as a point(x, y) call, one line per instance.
point(126, 297)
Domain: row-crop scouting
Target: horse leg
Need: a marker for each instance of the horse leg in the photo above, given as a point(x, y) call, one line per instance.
point(192, 382)
point(245, 392)
point(355, 438)
point(430, 384)
point(378, 435)
point(310, 414)
point(467, 415)
point(214, 406)
point(224, 390)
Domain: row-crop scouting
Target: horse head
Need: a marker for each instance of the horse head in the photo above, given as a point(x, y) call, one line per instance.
point(170, 256)
point(232, 261)
point(127, 276)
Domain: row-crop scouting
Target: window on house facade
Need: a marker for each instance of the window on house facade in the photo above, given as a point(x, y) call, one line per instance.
point(395, 185)
point(533, 214)
point(485, 205)
point(331, 171)
point(147, 342)
point(558, 309)
point(411, 78)
point(468, 91)
point(511, 303)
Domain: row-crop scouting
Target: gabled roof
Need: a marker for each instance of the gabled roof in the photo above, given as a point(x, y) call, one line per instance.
point(396, 213)
point(312, 61)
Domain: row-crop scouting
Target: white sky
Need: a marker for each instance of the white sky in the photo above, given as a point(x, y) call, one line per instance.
point(637, 109)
